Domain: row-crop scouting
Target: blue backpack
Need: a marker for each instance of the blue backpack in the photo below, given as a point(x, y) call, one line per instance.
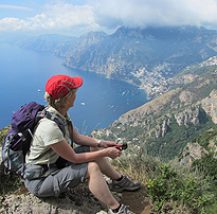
point(18, 140)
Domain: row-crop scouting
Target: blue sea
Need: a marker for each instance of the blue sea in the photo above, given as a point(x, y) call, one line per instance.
point(99, 101)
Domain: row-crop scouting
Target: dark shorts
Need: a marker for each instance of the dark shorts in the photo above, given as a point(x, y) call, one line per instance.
point(60, 179)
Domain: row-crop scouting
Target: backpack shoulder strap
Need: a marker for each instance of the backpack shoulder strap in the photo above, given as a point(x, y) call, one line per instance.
point(52, 116)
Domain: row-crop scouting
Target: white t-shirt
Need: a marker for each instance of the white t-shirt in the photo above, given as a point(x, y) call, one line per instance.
point(46, 134)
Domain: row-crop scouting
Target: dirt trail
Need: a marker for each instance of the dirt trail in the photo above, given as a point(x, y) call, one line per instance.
point(137, 201)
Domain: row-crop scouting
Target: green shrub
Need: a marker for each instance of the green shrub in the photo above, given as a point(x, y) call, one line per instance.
point(3, 133)
point(190, 191)
point(207, 165)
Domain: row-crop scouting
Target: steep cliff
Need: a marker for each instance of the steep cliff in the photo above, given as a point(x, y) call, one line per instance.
point(166, 124)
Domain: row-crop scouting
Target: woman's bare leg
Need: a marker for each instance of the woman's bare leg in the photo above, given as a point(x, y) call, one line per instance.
point(99, 187)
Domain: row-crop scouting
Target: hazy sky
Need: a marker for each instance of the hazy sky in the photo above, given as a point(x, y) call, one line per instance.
point(80, 16)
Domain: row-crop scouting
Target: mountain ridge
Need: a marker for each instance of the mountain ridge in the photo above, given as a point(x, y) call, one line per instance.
point(146, 57)
point(184, 111)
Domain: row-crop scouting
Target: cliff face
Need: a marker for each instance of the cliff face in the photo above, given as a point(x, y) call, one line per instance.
point(167, 123)
point(192, 152)
point(209, 104)
point(201, 152)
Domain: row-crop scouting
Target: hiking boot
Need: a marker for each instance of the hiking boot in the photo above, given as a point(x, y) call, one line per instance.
point(125, 184)
point(122, 210)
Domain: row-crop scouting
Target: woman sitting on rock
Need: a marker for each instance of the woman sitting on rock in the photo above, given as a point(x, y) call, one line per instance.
point(53, 165)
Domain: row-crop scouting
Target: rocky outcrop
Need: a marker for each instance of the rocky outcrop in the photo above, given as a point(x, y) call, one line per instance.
point(183, 79)
point(187, 97)
point(210, 62)
point(209, 104)
point(162, 129)
point(192, 152)
point(27, 203)
point(145, 113)
point(188, 116)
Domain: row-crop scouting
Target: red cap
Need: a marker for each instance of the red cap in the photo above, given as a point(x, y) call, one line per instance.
point(59, 85)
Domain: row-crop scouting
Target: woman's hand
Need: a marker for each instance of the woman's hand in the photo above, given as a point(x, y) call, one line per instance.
point(106, 143)
point(113, 152)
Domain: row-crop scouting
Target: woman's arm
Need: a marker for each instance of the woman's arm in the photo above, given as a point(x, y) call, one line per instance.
point(84, 140)
point(64, 150)
point(90, 141)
